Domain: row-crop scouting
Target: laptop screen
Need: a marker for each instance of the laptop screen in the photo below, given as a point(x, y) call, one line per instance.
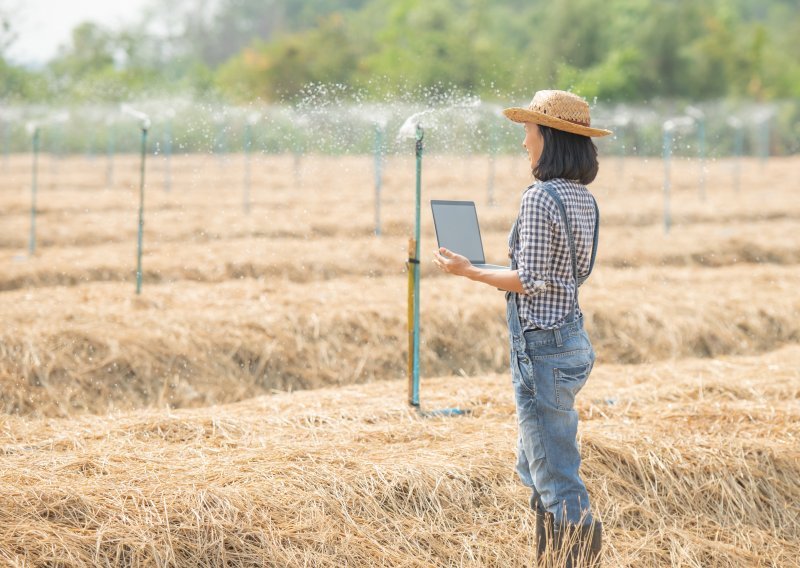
point(457, 229)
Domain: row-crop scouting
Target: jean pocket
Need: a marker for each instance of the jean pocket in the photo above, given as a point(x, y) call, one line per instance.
point(522, 370)
point(568, 383)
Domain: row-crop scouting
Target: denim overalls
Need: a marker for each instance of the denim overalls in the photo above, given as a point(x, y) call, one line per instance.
point(548, 368)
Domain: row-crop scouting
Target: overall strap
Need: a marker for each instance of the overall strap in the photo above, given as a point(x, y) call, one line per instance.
point(512, 315)
point(514, 241)
point(568, 229)
point(595, 239)
point(570, 238)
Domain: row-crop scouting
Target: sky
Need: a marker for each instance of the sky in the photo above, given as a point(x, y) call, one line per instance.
point(41, 26)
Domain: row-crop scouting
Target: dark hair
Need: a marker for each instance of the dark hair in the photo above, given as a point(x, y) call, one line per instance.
point(566, 155)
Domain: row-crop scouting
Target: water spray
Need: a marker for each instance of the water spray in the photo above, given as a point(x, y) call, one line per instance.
point(144, 124)
point(738, 144)
point(700, 121)
point(33, 130)
point(378, 175)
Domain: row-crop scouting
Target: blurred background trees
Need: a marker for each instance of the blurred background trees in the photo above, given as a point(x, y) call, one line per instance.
point(242, 50)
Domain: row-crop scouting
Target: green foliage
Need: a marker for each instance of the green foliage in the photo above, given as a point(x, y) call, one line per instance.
point(282, 68)
point(435, 43)
point(18, 84)
point(615, 50)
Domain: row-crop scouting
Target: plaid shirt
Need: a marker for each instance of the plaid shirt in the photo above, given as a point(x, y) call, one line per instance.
point(542, 252)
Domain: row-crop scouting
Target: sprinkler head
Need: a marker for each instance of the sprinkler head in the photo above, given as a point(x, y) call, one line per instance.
point(622, 120)
point(59, 118)
point(678, 123)
point(763, 115)
point(409, 128)
point(494, 109)
point(695, 113)
point(142, 117)
point(734, 122)
point(10, 115)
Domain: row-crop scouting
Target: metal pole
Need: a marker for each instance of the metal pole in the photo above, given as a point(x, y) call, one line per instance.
point(419, 149)
point(6, 143)
point(413, 262)
point(248, 142)
point(219, 144)
point(297, 155)
point(110, 157)
point(738, 145)
point(621, 156)
point(764, 136)
point(378, 176)
point(667, 156)
point(701, 148)
point(412, 268)
point(168, 156)
point(699, 118)
point(32, 240)
point(492, 157)
point(90, 144)
point(141, 214)
point(55, 148)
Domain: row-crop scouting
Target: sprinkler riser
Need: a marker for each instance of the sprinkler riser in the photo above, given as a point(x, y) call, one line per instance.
point(140, 234)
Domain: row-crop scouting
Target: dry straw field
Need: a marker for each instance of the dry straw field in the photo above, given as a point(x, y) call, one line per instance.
point(248, 408)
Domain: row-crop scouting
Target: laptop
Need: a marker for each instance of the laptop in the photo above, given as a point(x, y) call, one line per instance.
point(456, 224)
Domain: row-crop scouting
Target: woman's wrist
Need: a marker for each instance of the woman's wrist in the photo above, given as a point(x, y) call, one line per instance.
point(473, 273)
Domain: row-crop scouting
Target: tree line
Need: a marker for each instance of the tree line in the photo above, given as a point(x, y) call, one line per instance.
point(271, 50)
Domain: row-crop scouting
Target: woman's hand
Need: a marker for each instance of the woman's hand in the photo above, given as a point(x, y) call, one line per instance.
point(452, 263)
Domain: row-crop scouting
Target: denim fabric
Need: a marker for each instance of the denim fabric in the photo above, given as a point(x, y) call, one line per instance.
point(548, 368)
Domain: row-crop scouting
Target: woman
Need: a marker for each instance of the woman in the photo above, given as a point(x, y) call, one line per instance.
point(552, 248)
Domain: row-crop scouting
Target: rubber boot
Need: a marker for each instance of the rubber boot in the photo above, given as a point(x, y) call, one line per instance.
point(578, 546)
point(544, 534)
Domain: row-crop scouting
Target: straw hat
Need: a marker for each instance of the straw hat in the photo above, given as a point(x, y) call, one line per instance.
point(560, 110)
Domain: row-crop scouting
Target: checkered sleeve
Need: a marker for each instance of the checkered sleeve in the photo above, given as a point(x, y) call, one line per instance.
point(535, 241)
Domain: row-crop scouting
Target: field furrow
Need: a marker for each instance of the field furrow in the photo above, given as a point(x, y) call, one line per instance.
point(97, 346)
point(351, 476)
point(249, 407)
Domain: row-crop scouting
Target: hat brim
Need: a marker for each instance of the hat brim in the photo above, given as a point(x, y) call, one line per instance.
point(526, 115)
